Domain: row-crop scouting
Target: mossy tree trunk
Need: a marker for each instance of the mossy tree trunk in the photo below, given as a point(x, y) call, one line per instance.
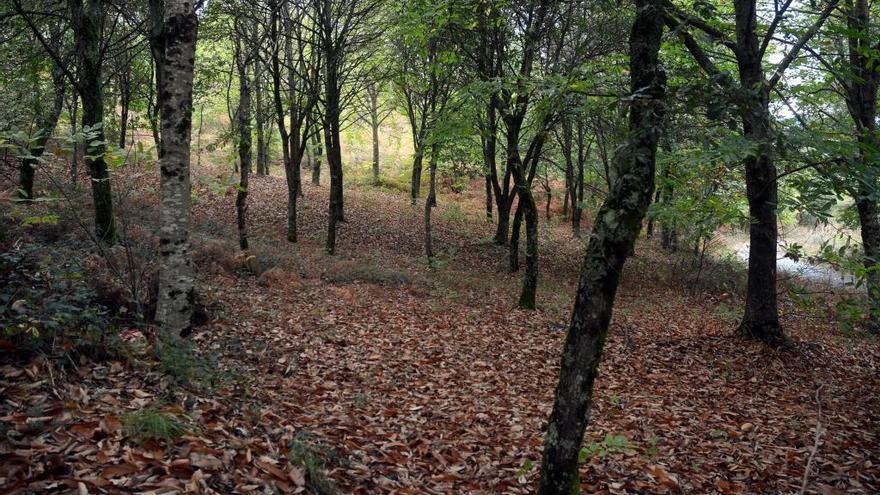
point(616, 228)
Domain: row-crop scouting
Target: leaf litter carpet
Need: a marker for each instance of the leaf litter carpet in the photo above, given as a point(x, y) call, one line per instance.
point(368, 373)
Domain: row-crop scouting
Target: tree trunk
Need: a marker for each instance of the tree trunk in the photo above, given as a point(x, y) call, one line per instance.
point(86, 23)
point(429, 204)
point(334, 148)
point(317, 157)
point(502, 227)
point(374, 125)
point(488, 199)
point(530, 275)
point(616, 227)
point(46, 122)
point(280, 113)
point(513, 246)
point(125, 101)
point(244, 145)
point(176, 280)
point(649, 231)
point(74, 154)
point(259, 115)
point(416, 181)
point(761, 318)
point(862, 105)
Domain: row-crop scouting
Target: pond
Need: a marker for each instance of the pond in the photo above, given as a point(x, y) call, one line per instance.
point(803, 268)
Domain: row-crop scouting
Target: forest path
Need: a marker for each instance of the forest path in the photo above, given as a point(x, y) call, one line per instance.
point(424, 381)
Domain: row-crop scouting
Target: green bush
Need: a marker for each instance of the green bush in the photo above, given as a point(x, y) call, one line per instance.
point(47, 306)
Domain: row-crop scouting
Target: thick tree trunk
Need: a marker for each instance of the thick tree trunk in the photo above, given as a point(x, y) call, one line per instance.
point(244, 146)
point(176, 280)
point(86, 22)
point(616, 228)
point(761, 318)
point(862, 87)
point(504, 204)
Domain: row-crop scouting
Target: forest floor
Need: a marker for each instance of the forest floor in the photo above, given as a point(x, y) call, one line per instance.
point(369, 373)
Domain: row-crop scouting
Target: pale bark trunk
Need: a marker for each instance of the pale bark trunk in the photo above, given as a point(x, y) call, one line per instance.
point(176, 280)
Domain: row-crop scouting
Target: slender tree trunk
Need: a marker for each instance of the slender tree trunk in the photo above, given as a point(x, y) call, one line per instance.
point(374, 125)
point(334, 148)
point(566, 197)
point(429, 203)
point(761, 318)
point(74, 155)
point(45, 127)
point(500, 189)
point(526, 209)
point(577, 201)
point(488, 199)
point(649, 231)
point(617, 225)
point(513, 246)
point(176, 280)
point(86, 22)
point(317, 157)
point(244, 146)
point(416, 181)
point(153, 89)
point(530, 275)
point(199, 135)
point(259, 114)
point(125, 101)
point(280, 113)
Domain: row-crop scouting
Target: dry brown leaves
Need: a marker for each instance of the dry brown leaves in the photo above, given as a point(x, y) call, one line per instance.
point(438, 386)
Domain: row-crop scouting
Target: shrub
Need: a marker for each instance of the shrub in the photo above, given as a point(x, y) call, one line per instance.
point(46, 306)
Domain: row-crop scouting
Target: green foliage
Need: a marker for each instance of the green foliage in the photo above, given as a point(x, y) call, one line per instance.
point(153, 424)
point(611, 444)
point(183, 367)
point(47, 306)
point(307, 452)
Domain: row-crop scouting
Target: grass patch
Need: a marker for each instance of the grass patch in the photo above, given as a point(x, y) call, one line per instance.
point(153, 424)
point(183, 367)
point(305, 451)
